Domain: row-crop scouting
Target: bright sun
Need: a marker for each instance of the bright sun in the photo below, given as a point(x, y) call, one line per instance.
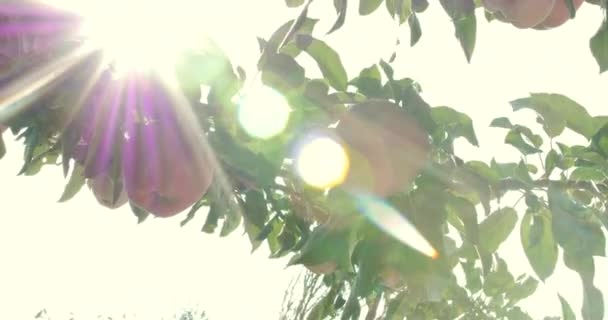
point(140, 34)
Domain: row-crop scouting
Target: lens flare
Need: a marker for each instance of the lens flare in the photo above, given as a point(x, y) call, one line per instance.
point(394, 223)
point(322, 162)
point(139, 34)
point(263, 113)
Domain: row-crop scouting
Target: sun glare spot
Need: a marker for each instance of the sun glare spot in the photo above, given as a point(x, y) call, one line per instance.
point(394, 223)
point(322, 162)
point(263, 113)
point(139, 34)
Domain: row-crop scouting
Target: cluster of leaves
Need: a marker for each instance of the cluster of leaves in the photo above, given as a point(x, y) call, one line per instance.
point(454, 203)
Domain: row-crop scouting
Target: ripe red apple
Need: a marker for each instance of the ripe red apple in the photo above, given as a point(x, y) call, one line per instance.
point(522, 14)
point(559, 15)
point(95, 130)
point(165, 167)
point(386, 147)
point(103, 188)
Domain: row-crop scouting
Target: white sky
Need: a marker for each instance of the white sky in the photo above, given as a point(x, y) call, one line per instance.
point(80, 257)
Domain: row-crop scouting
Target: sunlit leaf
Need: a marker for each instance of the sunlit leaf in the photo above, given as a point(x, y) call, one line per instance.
point(74, 185)
point(498, 281)
point(415, 29)
point(368, 6)
point(567, 313)
point(456, 123)
point(294, 3)
point(341, 6)
point(559, 112)
point(599, 46)
point(496, 228)
point(572, 227)
point(521, 290)
point(538, 243)
point(327, 59)
point(468, 215)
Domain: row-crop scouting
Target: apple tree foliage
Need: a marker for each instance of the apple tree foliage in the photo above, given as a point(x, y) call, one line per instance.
point(454, 203)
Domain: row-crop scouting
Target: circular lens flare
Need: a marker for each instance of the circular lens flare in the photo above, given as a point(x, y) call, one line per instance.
point(322, 162)
point(263, 113)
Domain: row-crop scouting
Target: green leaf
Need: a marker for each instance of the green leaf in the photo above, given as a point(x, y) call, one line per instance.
point(270, 47)
point(368, 6)
point(192, 213)
point(496, 228)
point(272, 238)
point(552, 160)
point(515, 137)
point(415, 29)
point(498, 281)
point(517, 171)
point(457, 124)
point(283, 73)
point(253, 233)
point(75, 183)
point(341, 8)
point(587, 174)
point(139, 212)
point(242, 160)
point(399, 9)
point(467, 214)
point(593, 303)
point(501, 122)
point(325, 245)
point(327, 59)
point(294, 3)
point(472, 276)
point(2, 147)
point(538, 243)
point(462, 13)
point(213, 217)
point(232, 217)
point(466, 31)
point(516, 313)
point(558, 112)
point(369, 82)
point(458, 9)
point(255, 208)
point(573, 227)
point(521, 290)
point(599, 46)
point(567, 313)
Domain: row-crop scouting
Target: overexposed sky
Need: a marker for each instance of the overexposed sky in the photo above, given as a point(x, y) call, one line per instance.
point(80, 257)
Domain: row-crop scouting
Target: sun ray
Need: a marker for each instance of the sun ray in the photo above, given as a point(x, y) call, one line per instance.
point(17, 95)
point(392, 222)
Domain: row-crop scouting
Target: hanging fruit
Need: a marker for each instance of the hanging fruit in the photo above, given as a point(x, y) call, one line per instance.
point(386, 147)
point(165, 164)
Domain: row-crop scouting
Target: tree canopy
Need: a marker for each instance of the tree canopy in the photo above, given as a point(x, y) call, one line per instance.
point(359, 180)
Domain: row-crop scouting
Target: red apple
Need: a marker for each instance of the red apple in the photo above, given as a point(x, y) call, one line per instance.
point(521, 13)
point(559, 15)
point(386, 147)
point(103, 188)
point(166, 169)
point(94, 132)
